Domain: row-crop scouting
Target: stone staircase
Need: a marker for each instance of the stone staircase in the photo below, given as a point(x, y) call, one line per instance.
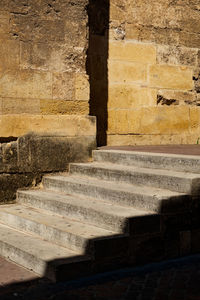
point(124, 208)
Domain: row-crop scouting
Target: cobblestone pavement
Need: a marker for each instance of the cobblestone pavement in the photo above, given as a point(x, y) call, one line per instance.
point(172, 280)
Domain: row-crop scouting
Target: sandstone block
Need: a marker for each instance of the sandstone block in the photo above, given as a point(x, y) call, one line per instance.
point(49, 30)
point(117, 121)
point(171, 97)
point(82, 87)
point(59, 125)
point(130, 96)
point(26, 84)
point(195, 119)
point(130, 51)
point(63, 86)
point(166, 120)
point(64, 107)
point(9, 50)
point(125, 71)
point(176, 55)
point(52, 153)
point(52, 56)
point(147, 139)
point(117, 10)
point(4, 24)
point(19, 106)
point(189, 39)
point(160, 120)
point(171, 77)
point(151, 34)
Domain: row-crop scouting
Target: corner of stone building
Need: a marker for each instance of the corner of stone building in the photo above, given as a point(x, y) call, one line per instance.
point(44, 91)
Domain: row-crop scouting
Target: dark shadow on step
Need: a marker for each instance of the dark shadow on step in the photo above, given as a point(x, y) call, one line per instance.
point(97, 64)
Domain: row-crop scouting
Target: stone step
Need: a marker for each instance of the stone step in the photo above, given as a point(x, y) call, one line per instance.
point(176, 162)
point(99, 213)
point(182, 182)
point(42, 257)
point(74, 235)
point(142, 197)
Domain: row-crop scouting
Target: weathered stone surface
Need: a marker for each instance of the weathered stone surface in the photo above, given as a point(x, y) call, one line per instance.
point(53, 153)
point(19, 106)
point(43, 47)
point(26, 84)
point(152, 139)
point(171, 77)
point(9, 55)
point(63, 86)
point(11, 182)
point(164, 36)
point(64, 107)
point(23, 162)
point(130, 96)
point(160, 120)
point(170, 97)
point(58, 125)
point(125, 71)
point(4, 24)
point(176, 55)
point(131, 51)
point(82, 88)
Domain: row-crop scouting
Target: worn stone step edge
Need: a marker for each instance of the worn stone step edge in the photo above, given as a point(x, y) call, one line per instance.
point(165, 179)
point(35, 254)
point(176, 162)
point(98, 213)
point(53, 228)
point(142, 197)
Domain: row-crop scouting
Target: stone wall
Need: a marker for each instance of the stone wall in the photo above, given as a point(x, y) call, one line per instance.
point(44, 90)
point(153, 72)
point(43, 46)
point(24, 161)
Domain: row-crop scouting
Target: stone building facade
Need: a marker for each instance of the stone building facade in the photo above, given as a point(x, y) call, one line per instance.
point(153, 72)
point(44, 90)
point(136, 61)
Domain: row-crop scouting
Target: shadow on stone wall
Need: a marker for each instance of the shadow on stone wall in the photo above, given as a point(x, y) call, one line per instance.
point(98, 12)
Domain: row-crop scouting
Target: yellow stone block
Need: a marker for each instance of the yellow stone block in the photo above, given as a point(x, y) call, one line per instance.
point(117, 121)
point(19, 106)
point(9, 55)
point(195, 119)
point(132, 51)
point(126, 139)
point(129, 96)
point(149, 139)
point(64, 107)
point(171, 77)
point(28, 84)
point(125, 71)
point(59, 125)
point(160, 120)
point(82, 87)
point(117, 11)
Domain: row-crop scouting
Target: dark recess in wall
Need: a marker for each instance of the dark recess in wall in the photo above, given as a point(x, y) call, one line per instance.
point(98, 12)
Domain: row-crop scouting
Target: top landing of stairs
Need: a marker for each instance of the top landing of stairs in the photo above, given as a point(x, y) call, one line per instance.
point(167, 149)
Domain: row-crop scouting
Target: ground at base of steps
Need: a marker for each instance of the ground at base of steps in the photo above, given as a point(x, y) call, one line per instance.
point(170, 280)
